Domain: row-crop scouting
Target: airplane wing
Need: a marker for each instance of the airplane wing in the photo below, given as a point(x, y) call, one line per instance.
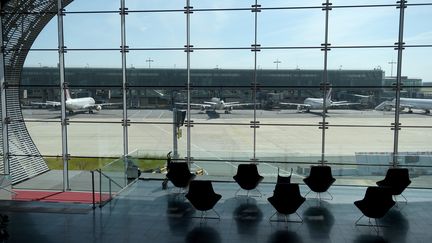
point(299, 105)
point(108, 104)
point(47, 103)
point(99, 106)
point(235, 104)
point(342, 103)
point(204, 105)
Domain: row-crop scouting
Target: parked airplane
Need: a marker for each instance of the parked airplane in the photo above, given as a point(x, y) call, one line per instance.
point(217, 104)
point(410, 103)
point(317, 103)
point(76, 104)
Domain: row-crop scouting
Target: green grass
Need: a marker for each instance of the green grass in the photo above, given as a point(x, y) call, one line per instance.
point(78, 163)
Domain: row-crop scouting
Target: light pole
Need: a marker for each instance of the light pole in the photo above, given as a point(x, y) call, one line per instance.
point(391, 63)
point(277, 63)
point(149, 62)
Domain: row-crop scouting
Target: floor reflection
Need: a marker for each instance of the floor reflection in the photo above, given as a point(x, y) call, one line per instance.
point(319, 221)
point(284, 236)
point(179, 213)
point(203, 234)
point(370, 239)
point(247, 217)
point(398, 226)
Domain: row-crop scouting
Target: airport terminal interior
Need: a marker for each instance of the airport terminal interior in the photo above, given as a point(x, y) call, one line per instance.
point(216, 121)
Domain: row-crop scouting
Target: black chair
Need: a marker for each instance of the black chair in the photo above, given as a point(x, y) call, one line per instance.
point(284, 179)
point(319, 180)
point(248, 177)
point(397, 180)
point(286, 200)
point(375, 204)
point(202, 196)
point(179, 174)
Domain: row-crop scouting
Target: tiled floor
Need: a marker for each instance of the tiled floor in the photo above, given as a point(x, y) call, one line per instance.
point(146, 213)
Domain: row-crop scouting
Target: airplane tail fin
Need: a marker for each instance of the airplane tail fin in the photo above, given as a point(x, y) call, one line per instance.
point(67, 94)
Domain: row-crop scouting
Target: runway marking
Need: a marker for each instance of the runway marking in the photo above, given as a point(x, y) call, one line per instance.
point(148, 114)
point(136, 113)
point(161, 114)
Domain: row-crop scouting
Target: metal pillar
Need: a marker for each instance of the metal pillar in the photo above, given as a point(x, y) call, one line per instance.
point(4, 117)
point(63, 87)
point(255, 10)
point(175, 128)
point(188, 52)
point(124, 50)
point(325, 83)
point(400, 46)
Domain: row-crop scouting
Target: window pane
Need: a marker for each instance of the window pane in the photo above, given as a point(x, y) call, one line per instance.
point(222, 29)
point(418, 22)
point(156, 30)
point(363, 26)
point(299, 27)
point(92, 31)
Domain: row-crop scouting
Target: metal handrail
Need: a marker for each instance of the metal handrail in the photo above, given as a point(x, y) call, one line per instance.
point(102, 203)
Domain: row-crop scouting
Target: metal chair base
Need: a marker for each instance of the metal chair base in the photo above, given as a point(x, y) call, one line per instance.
point(319, 195)
point(285, 218)
point(203, 217)
point(247, 193)
point(375, 226)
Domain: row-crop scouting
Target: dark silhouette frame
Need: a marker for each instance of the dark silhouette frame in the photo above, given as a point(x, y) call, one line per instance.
point(319, 180)
point(202, 196)
point(397, 180)
point(375, 205)
point(248, 178)
point(180, 175)
point(286, 200)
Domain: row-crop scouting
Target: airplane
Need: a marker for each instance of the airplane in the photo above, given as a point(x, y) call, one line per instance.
point(410, 103)
point(317, 103)
point(217, 104)
point(76, 104)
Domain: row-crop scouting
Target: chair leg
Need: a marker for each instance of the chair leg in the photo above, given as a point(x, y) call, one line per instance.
point(285, 218)
point(235, 194)
point(356, 222)
point(406, 200)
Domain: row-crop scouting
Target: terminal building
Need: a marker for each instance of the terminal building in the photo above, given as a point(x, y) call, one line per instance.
point(41, 84)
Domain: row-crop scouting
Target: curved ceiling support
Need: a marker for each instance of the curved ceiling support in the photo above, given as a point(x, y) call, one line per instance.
point(22, 22)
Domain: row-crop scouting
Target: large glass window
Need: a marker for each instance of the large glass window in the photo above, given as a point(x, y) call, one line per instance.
point(227, 82)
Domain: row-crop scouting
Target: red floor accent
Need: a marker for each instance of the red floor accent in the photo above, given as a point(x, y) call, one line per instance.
point(58, 196)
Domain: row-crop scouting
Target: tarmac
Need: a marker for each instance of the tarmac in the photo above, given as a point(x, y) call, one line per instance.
point(283, 136)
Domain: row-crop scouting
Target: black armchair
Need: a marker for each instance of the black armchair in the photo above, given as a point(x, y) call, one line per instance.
point(202, 196)
point(375, 204)
point(320, 179)
point(286, 200)
point(248, 177)
point(179, 174)
point(284, 179)
point(396, 180)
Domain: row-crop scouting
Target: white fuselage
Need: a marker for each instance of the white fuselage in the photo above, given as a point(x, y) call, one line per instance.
point(422, 104)
point(78, 104)
point(315, 103)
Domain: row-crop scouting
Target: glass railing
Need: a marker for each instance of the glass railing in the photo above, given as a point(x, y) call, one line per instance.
point(108, 181)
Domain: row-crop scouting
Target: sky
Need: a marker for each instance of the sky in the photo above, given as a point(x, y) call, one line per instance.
point(226, 29)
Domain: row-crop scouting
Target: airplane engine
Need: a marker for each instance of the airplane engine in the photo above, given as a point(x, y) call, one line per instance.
point(98, 108)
